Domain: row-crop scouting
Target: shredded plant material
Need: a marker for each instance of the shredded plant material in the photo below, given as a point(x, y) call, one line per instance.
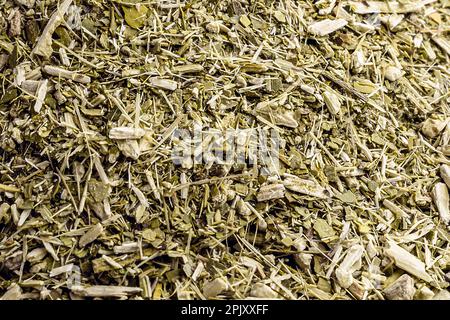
point(96, 96)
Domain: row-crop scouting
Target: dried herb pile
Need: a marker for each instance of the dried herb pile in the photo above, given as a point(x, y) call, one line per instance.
point(92, 205)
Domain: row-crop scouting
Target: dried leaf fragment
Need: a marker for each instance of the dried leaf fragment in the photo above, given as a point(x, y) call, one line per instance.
point(48, 246)
point(26, 3)
point(60, 270)
point(270, 192)
point(129, 148)
point(285, 119)
point(214, 288)
point(14, 292)
point(263, 291)
point(112, 262)
point(217, 27)
point(36, 255)
point(92, 234)
point(279, 16)
point(348, 197)
point(135, 16)
point(246, 22)
point(324, 229)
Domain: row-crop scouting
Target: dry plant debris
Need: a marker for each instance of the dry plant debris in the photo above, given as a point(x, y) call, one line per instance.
point(93, 207)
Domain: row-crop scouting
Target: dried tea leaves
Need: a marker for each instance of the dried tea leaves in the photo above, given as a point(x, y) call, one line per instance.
point(224, 150)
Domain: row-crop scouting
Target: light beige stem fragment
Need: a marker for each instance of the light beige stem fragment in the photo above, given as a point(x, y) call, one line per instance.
point(307, 187)
point(243, 207)
point(125, 133)
point(442, 43)
point(399, 213)
point(129, 247)
point(43, 46)
point(41, 92)
point(105, 291)
point(327, 26)
point(48, 246)
point(433, 127)
point(406, 261)
point(163, 83)
point(185, 191)
point(188, 68)
point(8, 188)
point(112, 262)
point(441, 200)
point(442, 295)
point(332, 102)
point(67, 74)
point(153, 186)
point(401, 289)
point(445, 174)
point(392, 73)
point(365, 7)
point(347, 267)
